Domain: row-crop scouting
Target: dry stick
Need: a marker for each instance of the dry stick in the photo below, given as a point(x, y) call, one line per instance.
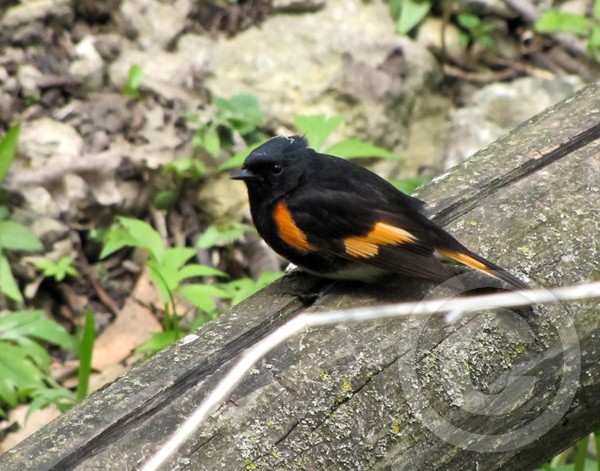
point(453, 307)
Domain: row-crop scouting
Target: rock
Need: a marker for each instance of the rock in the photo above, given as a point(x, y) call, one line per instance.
point(88, 66)
point(429, 35)
point(222, 200)
point(158, 133)
point(108, 45)
point(94, 11)
point(106, 192)
point(500, 107)
point(6, 107)
point(39, 200)
point(49, 230)
point(46, 141)
point(168, 75)
point(344, 59)
point(23, 22)
point(155, 24)
point(71, 196)
point(106, 111)
point(28, 77)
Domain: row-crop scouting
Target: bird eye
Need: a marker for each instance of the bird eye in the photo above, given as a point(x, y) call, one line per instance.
point(276, 169)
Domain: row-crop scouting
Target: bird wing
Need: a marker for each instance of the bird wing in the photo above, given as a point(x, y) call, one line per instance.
point(365, 230)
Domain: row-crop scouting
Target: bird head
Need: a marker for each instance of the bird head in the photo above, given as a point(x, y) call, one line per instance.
point(275, 168)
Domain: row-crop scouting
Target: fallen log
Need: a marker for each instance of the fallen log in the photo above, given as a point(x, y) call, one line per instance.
point(492, 391)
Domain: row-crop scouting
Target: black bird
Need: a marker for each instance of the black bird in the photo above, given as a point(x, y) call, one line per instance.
point(336, 219)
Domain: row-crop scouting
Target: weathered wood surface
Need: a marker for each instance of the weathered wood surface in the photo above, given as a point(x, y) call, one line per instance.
point(394, 394)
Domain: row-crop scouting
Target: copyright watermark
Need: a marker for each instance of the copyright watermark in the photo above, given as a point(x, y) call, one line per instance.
point(471, 383)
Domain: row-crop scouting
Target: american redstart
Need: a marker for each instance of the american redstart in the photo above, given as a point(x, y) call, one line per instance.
point(336, 219)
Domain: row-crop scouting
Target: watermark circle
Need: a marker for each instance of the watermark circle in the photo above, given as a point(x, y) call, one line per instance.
point(515, 392)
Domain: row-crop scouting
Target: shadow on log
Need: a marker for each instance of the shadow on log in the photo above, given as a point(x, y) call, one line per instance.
point(492, 391)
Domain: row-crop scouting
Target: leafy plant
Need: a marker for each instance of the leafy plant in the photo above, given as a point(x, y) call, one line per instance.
point(57, 270)
point(86, 337)
point(575, 458)
point(17, 237)
point(409, 13)
point(409, 184)
point(169, 269)
point(553, 21)
point(8, 149)
point(135, 77)
point(190, 169)
point(13, 236)
point(239, 115)
point(476, 29)
point(172, 274)
point(24, 363)
point(238, 290)
point(225, 232)
point(318, 128)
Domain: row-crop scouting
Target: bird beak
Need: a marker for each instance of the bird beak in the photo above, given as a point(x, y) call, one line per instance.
point(243, 174)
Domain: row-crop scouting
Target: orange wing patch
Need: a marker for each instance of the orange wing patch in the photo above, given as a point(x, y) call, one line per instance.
point(367, 246)
point(464, 259)
point(287, 229)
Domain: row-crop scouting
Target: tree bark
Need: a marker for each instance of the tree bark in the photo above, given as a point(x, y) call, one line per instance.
point(494, 390)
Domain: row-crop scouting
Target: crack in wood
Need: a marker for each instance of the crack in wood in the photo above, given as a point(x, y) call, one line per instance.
point(463, 205)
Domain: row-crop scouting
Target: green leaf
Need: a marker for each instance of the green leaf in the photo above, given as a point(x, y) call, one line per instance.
point(32, 323)
point(176, 257)
point(354, 148)
point(144, 236)
point(409, 184)
point(115, 239)
point(221, 234)
point(193, 270)
point(202, 296)
point(14, 320)
point(412, 13)
point(245, 287)
point(165, 279)
point(8, 284)
point(49, 331)
point(15, 236)
point(85, 349)
point(469, 21)
point(581, 454)
point(317, 128)
point(237, 159)
point(44, 396)
point(165, 199)
point(594, 46)
point(17, 373)
point(135, 78)
point(212, 142)
point(158, 341)
point(597, 9)
point(4, 212)
point(553, 21)
point(35, 351)
point(188, 168)
point(241, 112)
point(58, 270)
point(8, 149)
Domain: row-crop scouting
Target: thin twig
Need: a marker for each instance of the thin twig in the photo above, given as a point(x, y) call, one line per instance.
point(453, 308)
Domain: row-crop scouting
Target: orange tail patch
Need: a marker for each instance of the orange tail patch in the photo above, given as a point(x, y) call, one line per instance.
point(289, 232)
point(464, 259)
point(367, 246)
